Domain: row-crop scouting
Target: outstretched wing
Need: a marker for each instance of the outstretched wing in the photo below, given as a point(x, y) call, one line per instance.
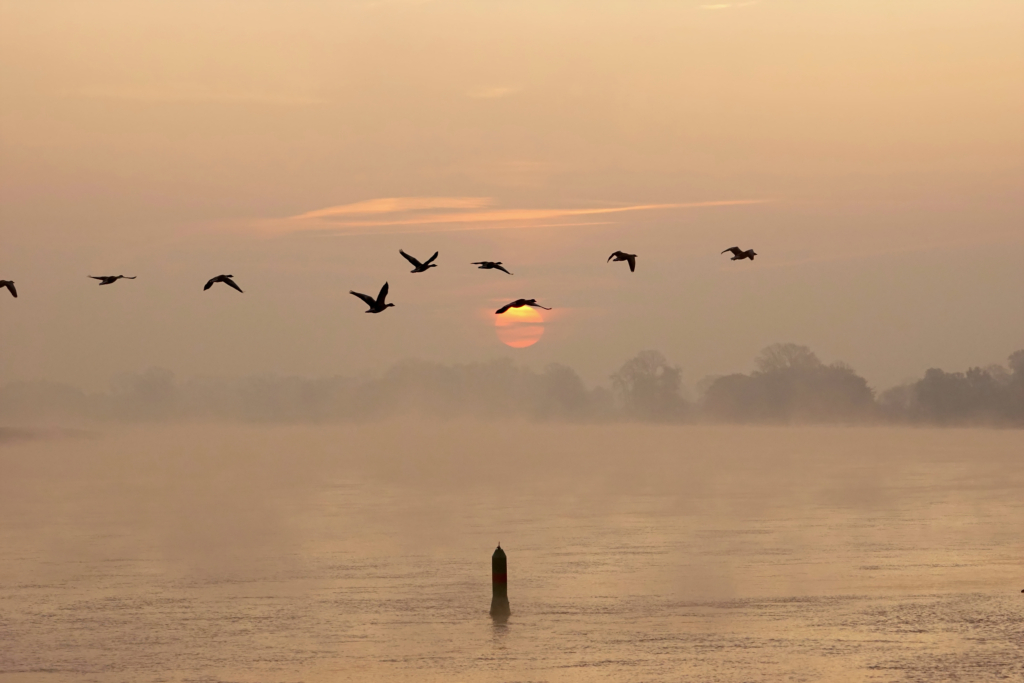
point(536, 305)
point(10, 285)
point(632, 262)
point(614, 254)
point(431, 259)
point(411, 260)
point(366, 298)
point(209, 283)
point(499, 267)
point(479, 263)
point(229, 281)
point(504, 308)
point(98, 277)
point(382, 295)
point(735, 251)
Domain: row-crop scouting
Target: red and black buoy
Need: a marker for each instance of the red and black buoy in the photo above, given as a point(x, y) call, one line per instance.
point(499, 571)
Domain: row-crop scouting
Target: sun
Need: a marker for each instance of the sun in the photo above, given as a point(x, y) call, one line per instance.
point(519, 327)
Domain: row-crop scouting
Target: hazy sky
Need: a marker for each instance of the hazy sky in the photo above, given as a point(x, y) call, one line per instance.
point(872, 152)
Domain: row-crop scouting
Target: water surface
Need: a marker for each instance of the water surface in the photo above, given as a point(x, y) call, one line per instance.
point(636, 553)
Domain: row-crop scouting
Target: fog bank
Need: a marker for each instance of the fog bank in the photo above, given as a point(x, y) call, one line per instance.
point(789, 385)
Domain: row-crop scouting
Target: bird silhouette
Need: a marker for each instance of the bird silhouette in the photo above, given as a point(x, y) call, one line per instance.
point(490, 265)
point(110, 279)
point(738, 254)
point(226, 279)
point(417, 266)
point(376, 305)
point(9, 284)
point(623, 256)
point(519, 303)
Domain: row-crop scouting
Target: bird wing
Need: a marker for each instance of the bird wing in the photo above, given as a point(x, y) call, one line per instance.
point(366, 298)
point(479, 263)
point(209, 283)
point(129, 277)
point(410, 259)
point(229, 281)
point(431, 259)
point(98, 277)
point(735, 251)
point(499, 267)
point(614, 254)
point(382, 295)
point(504, 308)
point(10, 286)
point(539, 306)
point(632, 262)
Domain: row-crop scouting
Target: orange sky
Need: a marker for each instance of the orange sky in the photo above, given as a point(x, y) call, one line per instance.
point(870, 151)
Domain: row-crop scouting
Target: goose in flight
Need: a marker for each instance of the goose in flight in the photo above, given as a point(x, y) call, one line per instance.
point(738, 254)
point(623, 256)
point(417, 266)
point(519, 303)
point(226, 279)
point(9, 284)
point(110, 279)
point(489, 265)
point(376, 305)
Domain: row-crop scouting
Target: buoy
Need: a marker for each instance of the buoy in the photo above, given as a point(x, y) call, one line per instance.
point(499, 572)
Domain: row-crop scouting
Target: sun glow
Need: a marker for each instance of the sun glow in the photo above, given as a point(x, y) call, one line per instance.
point(519, 327)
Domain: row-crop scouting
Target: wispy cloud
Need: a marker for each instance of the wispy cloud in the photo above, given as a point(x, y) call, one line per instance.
point(386, 205)
point(407, 214)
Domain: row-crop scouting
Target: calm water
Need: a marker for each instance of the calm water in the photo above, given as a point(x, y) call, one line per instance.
point(635, 554)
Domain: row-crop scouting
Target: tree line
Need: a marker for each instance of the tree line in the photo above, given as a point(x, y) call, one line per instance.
point(790, 384)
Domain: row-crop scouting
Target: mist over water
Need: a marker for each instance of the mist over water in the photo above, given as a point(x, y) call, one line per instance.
point(790, 385)
point(636, 552)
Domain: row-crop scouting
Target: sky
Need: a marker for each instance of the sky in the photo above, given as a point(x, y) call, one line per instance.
point(871, 152)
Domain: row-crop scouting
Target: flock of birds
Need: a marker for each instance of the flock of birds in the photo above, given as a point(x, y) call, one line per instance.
point(378, 304)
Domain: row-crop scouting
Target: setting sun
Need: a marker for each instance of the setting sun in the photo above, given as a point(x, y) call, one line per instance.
point(519, 327)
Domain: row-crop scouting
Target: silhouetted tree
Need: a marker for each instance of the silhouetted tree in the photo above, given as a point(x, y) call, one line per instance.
point(1015, 400)
point(786, 357)
point(650, 388)
point(561, 394)
point(993, 395)
point(790, 384)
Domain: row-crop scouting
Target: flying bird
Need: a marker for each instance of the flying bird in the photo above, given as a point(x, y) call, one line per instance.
point(9, 284)
point(519, 303)
point(110, 279)
point(738, 254)
point(226, 279)
point(376, 305)
point(489, 265)
point(417, 266)
point(623, 256)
